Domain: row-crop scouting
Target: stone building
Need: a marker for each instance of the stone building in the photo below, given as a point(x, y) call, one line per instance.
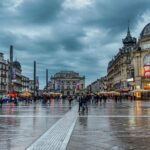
point(67, 82)
point(31, 86)
point(130, 69)
point(103, 83)
point(25, 83)
point(119, 66)
point(141, 60)
point(17, 77)
point(98, 85)
point(3, 75)
point(94, 87)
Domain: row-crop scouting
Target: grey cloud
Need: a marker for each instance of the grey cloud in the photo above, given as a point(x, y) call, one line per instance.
point(71, 43)
point(62, 47)
point(6, 38)
point(39, 11)
point(113, 15)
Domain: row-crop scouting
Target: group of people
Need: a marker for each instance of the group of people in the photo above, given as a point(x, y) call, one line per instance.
point(84, 99)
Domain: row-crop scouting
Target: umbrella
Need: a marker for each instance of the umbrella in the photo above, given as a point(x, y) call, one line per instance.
point(26, 94)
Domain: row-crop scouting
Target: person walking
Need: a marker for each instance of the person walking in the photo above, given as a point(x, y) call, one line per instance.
point(1, 102)
point(81, 99)
point(70, 99)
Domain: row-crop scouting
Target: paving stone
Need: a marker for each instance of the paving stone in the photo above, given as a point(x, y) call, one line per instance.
point(57, 137)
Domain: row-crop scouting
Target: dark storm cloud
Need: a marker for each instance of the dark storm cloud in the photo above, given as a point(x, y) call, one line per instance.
point(115, 15)
point(71, 43)
point(40, 11)
point(6, 38)
point(62, 34)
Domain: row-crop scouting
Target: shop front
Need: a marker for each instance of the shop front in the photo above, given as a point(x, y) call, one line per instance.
point(147, 85)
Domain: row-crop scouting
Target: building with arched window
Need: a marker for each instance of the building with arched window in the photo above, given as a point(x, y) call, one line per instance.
point(141, 60)
point(119, 67)
point(67, 83)
point(129, 70)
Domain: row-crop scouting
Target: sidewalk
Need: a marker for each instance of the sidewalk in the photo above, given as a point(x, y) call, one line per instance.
point(122, 126)
point(21, 125)
point(57, 137)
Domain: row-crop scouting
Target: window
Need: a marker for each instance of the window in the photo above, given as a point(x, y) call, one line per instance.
point(146, 46)
point(147, 59)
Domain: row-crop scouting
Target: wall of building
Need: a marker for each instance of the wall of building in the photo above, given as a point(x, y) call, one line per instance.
point(67, 82)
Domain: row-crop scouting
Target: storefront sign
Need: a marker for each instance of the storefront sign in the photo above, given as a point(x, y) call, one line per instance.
point(130, 80)
point(147, 71)
point(146, 85)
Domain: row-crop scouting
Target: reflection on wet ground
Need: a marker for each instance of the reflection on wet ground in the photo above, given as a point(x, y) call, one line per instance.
point(110, 126)
point(121, 126)
point(21, 125)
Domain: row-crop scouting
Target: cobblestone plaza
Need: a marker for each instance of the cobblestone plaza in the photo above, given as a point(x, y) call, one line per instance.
point(112, 126)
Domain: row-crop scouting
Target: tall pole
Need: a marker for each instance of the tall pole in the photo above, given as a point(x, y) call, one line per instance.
point(34, 77)
point(46, 79)
point(11, 68)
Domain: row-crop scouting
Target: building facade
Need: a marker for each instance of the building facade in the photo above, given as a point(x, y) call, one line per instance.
point(17, 77)
point(11, 78)
point(97, 86)
point(141, 60)
point(3, 75)
point(130, 69)
point(25, 83)
point(94, 87)
point(119, 67)
point(103, 84)
point(67, 82)
point(31, 86)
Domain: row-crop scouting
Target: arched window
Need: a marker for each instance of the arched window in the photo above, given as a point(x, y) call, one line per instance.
point(147, 60)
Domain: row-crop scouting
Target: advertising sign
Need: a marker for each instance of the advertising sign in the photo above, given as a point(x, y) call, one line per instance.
point(13, 76)
point(147, 71)
point(78, 86)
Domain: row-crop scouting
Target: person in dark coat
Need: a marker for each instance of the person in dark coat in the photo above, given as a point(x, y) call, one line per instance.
point(81, 100)
point(1, 102)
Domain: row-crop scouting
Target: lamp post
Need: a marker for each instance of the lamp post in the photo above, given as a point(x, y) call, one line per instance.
point(34, 76)
point(47, 80)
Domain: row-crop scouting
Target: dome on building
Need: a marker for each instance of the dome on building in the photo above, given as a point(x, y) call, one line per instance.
point(146, 30)
point(66, 74)
point(17, 64)
point(129, 40)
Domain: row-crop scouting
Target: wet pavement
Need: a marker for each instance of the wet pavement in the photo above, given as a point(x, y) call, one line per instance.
point(21, 125)
point(110, 126)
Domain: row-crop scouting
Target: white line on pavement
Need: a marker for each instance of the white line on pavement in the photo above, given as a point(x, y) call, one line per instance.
point(115, 116)
point(16, 116)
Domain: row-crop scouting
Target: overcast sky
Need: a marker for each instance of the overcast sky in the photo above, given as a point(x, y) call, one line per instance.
point(78, 35)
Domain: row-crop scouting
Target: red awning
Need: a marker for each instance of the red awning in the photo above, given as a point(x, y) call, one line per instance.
point(12, 94)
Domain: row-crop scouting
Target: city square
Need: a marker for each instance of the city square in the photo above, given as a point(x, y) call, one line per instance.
point(110, 126)
point(74, 75)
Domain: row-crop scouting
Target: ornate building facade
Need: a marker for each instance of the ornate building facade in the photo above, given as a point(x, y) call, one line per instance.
point(17, 77)
point(25, 83)
point(130, 68)
point(141, 60)
point(67, 82)
point(3, 75)
point(98, 85)
point(119, 66)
